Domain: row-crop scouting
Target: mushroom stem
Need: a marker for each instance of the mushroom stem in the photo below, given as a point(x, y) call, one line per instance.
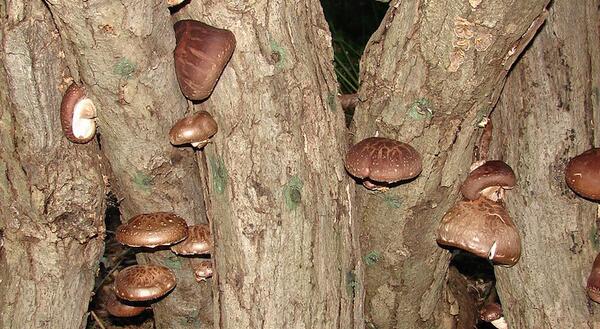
point(85, 109)
point(500, 323)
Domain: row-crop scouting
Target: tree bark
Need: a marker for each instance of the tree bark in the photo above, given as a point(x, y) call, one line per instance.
point(278, 196)
point(123, 53)
point(429, 74)
point(52, 192)
point(546, 115)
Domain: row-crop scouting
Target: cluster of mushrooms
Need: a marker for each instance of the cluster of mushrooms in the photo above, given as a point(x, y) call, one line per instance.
point(200, 56)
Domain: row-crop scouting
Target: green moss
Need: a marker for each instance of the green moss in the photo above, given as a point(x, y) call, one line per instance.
point(594, 238)
point(292, 192)
point(372, 258)
point(219, 175)
point(331, 101)
point(172, 262)
point(351, 283)
point(124, 68)
point(142, 181)
point(278, 54)
point(392, 201)
point(420, 109)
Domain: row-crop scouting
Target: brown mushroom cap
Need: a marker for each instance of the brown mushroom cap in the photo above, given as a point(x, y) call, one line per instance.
point(151, 230)
point(203, 269)
point(195, 129)
point(491, 312)
point(201, 54)
point(593, 283)
point(493, 173)
point(379, 159)
point(119, 308)
point(198, 241)
point(483, 228)
point(144, 282)
point(583, 174)
point(77, 113)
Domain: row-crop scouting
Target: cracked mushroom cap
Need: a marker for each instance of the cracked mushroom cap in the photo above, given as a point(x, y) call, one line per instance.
point(144, 282)
point(379, 160)
point(77, 115)
point(196, 129)
point(593, 283)
point(120, 308)
point(198, 241)
point(203, 269)
point(583, 174)
point(487, 179)
point(152, 230)
point(201, 54)
point(483, 228)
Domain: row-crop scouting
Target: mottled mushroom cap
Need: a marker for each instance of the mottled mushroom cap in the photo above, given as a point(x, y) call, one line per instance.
point(77, 113)
point(491, 312)
point(203, 269)
point(483, 228)
point(151, 230)
point(593, 283)
point(493, 173)
point(144, 282)
point(384, 160)
point(198, 241)
point(195, 129)
point(583, 174)
point(201, 54)
point(119, 308)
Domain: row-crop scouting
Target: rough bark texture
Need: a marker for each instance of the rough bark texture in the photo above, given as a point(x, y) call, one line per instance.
point(544, 117)
point(123, 52)
point(430, 73)
point(278, 195)
point(51, 191)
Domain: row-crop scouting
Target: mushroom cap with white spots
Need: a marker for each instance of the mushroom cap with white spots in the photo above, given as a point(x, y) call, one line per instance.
point(144, 282)
point(152, 230)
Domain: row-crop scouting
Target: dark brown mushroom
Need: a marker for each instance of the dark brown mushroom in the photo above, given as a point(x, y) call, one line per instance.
point(583, 174)
point(483, 228)
point(593, 283)
point(144, 282)
point(198, 241)
point(203, 269)
point(380, 161)
point(488, 180)
point(121, 308)
point(493, 313)
point(151, 230)
point(77, 115)
point(196, 130)
point(201, 54)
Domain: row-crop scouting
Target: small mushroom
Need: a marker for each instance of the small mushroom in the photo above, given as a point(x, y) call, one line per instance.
point(119, 308)
point(172, 3)
point(483, 228)
point(493, 313)
point(203, 269)
point(593, 283)
point(380, 161)
point(144, 282)
point(198, 241)
point(196, 130)
point(583, 174)
point(488, 180)
point(152, 230)
point(201, 54)
point(77, 115)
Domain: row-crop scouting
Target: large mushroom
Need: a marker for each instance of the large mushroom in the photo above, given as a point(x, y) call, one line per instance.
point(196, 130)
point(152, 230)
point(583, 174)
point(198, 241)
point(380, 161)
point(483, 228)
point(201, 54)
point(144, 282)
point(488, 180)
point(77, 115)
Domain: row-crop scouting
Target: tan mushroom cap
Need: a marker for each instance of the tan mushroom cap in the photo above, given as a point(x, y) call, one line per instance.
point(583, 174)
point(119, 308)
point(201, 54)
point(593, 283)
point(493, 173)
point(196, 129)
point(483, 228)
point(144, 282)
point(203, 269)
point(383, 160)
point(77, 113)
point(152, 230)
point(198, 241)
